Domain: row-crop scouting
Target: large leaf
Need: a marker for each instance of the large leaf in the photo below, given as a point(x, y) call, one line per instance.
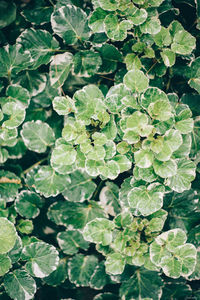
point(37, 136)
point(75, 214)
point(81, 269)
point(8, 235)
point(81, 187)
point(59, 68)
point(49, 183)
point(146, 201)
point(144, 284)
point(41, 45)
point(42, 259)
point(70, 23)
point(20, 285)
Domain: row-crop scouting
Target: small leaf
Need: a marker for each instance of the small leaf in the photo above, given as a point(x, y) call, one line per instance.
point(20, 285)
point(168, 57)
point(96, 20)
point(70, 23)
point(37, 136)
point(116, 30)
point(42, 259)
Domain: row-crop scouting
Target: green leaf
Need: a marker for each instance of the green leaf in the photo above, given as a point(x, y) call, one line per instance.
point(16, 112)
point(123, 162)
point(99, 231)
point(20, 285)
point(15, 253)
point(152, 95)
point(110, 5)
point(194, 81)
point(109, 198)
point(62, 157)
point(25, 226)
point(13, 60)
point(110, 169)
point(138, 16)
point(185, 174)
point(115, 263)
point(28, 204)
point(143, 158)
point(99, 278)
point(116, 30)
point(18, 94)
point(3, 155)
point(146, 200)
point(41, 45)
point(96, 20)
point(5, 264)
point(136, 81)
point(9, 185)
point(160, 110)
point(42, 259)
point(70, 23)
point(63, 105)
point(60, 67)
point(87, 63)
point(71, 241)
point(8, 235)
point(163, 38)
point(110, 57)
point(37, 136)
point(58, 276)
point(75, 214)
point(144, 284)
point(165, 169)
point(151, 25)
point(115, 96)
point(8, 13)
point(48, 183)
point(168, 57)
point(183, 42)
point(80, 188)
point(38, 13)
point(81, 268)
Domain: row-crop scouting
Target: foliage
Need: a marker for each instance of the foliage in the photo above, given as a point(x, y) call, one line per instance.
point(99, 136)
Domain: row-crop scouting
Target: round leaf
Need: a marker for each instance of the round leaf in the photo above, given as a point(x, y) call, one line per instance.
point(8, 235)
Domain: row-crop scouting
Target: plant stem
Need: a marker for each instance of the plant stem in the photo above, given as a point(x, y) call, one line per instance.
point(35, 165)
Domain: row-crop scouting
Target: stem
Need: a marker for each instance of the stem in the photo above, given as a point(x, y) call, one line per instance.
point(106, 77)
point(51, 2)
point(98, 189)
point(35, 165)
point(151, 67)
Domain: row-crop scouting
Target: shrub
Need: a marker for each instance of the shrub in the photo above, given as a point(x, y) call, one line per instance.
point(99, 193)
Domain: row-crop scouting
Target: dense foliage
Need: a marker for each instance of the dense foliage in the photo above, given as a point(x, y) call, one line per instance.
point(100, 140)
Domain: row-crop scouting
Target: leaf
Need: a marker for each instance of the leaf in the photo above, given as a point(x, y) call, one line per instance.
point(110, 170)
point(136, 81)
point(168, 57)
point(16, 112)
point(110, 56)
point(48, 183)
point(183, 42)
point(87, 63)
point(37, 13)
point(13, 60)
point(115, 263)
point(148, 200)
point(58, 276)
point(151, 25)
point(9, 185)
point(143, 158)
point(18, 94)
point(109, 198)
point(20, 285)
point(152, 95)
point(96, 20)
point(63, 105)
point(8, 13)
point(81, 269)
point(41, 45)
point(8, 235)
point(138, 16)
point(99, 278)
point(71, 241)
point(110, 5)
point(60, 67)
point(115, 96)
point(62, 157)
point(115, 30)
point(163, 37)
point(185, 174)
point(81, 187)
point(28, 204)
point(37, 136)
point(123, 162)
point(160, 110)
point(5, 264)
point(99, 231)
point(144, 284)
point(194, 81)
point(42, 259)
point(165, 169)
point(70, 23)
point(75, 214)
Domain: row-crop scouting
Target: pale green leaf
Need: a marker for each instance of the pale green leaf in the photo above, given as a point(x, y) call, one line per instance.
point(136, 81)
point(8, 235)
point(5, 264)
point(115, 263)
